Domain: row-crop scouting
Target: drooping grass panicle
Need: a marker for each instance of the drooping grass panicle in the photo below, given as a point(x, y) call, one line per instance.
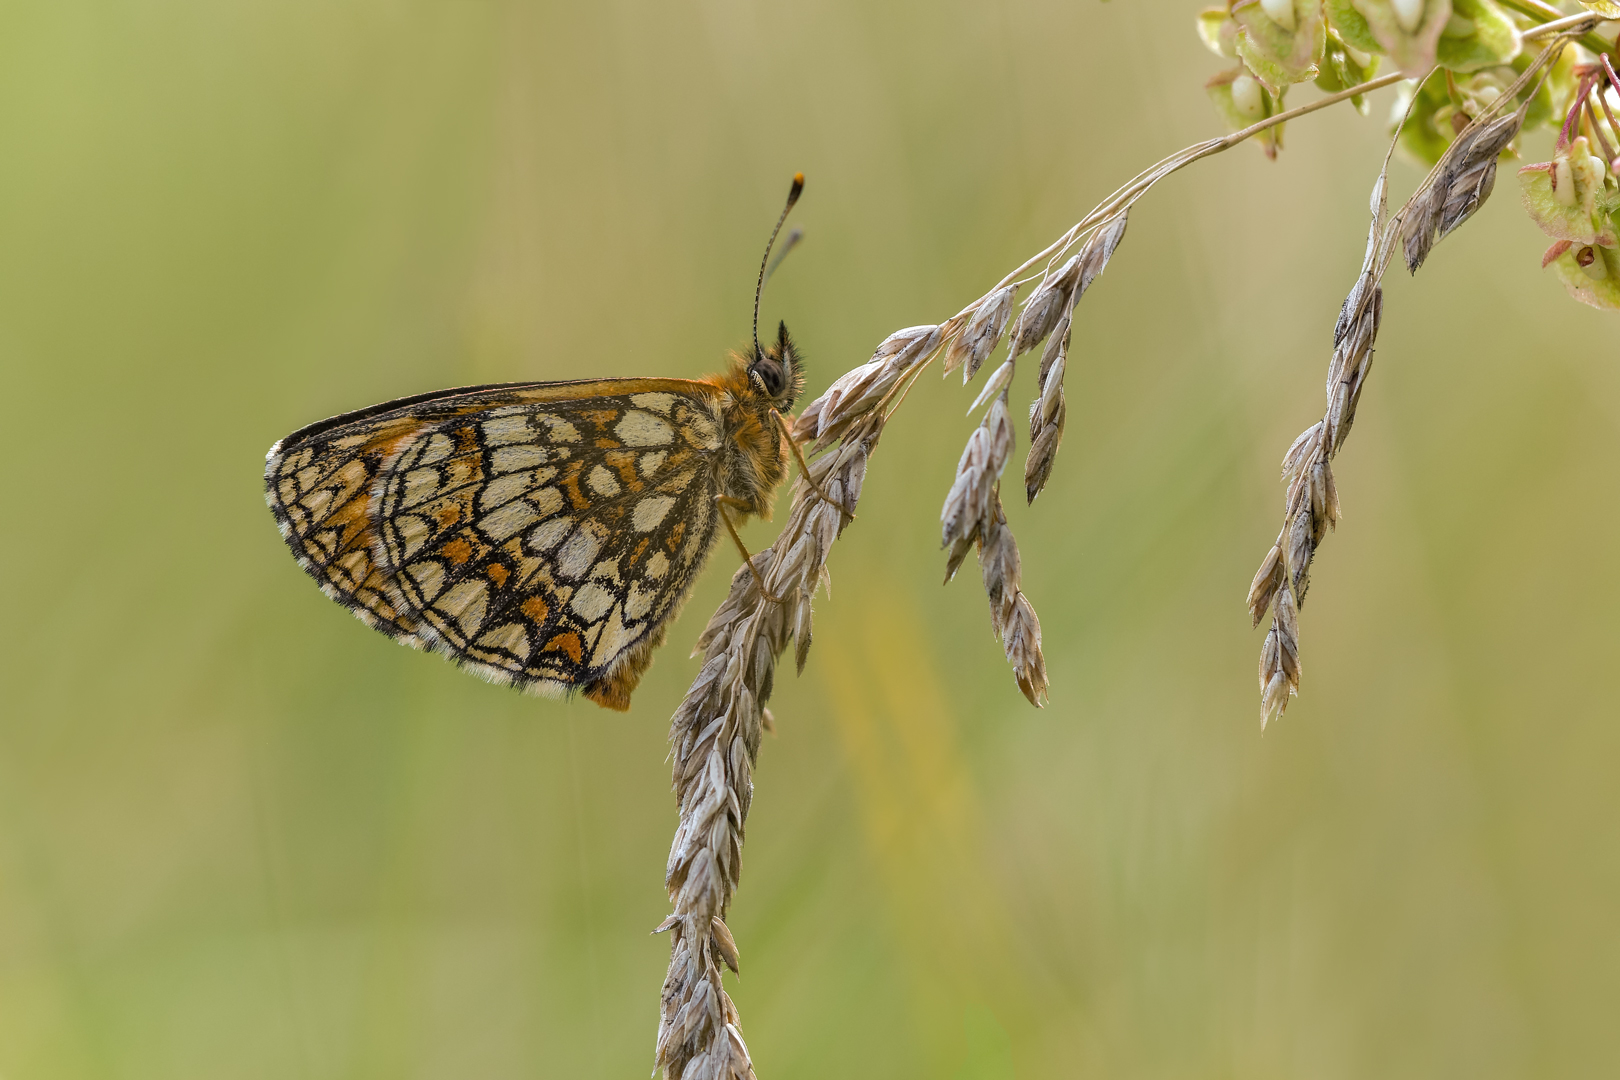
point(1454, 189)
point(715, 733)
point(973, 345)
point(973, 516)
point(969, 504)
point(855, 393)
point(714, 741)
point(1012, 616)
point(1461, 187)
point(1048, 411)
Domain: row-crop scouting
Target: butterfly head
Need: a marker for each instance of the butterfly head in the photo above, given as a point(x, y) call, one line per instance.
point(777, 372)
point(774, 370)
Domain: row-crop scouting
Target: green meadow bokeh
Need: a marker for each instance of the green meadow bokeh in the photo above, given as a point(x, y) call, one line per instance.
point(242, 837)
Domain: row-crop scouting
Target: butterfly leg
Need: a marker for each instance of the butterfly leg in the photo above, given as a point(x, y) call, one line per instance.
point(798, 456)
point(720, 504)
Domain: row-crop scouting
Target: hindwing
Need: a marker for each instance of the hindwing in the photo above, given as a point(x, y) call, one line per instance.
point(541, 534)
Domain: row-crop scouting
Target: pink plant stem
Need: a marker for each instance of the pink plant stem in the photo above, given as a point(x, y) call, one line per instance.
point(1597, 130)
point(1602, 95)
point(1574, 114)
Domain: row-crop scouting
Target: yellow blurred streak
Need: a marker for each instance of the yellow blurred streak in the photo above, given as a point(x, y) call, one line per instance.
point(924, 827)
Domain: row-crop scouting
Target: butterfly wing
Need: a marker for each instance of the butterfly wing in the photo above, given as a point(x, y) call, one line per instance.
point(541, 534)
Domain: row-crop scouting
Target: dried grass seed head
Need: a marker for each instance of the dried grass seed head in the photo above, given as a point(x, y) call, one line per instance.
point(1000, 567)
point(968, 504)
point(1099, 249)
point(1267, 580)
point(1043, 448)
point(1023, 647)
point(1046, 306)
point(983, 333)
point(853, 394)
point(1459, 185)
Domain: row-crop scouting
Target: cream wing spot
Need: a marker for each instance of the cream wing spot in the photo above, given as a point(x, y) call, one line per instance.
point(550, 534)
point(412, 532)
point(615, 637)
point(420, 484)
point(650, 511)
point(503, 489)
point(511, 637)
point(429, 578)
point(576, 556)
point(657, 566)
point(658, 403)
point(603, 482)
point(592, 601)
point(465, 603)
point(558, 429)
point(508, 521)
point(546, 501)
point(437, 449)
point(507, 429)
point(650, 463)
point(316, 502)
point(516, 458)
point(638, 428)
point(640, 601)
point(701, 431)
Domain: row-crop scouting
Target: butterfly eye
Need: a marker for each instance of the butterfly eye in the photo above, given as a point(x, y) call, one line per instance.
point(769, 371)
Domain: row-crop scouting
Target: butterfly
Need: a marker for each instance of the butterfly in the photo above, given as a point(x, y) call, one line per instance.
point(543, 534)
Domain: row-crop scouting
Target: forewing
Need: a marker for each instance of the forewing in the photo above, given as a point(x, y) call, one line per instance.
point(540, 541)
point(319, 483)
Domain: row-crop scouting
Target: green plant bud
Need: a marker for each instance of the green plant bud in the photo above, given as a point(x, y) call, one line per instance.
point(1425, 130)
point(1242, 100)
point(1407, 30)
point(1408, 13)
point(1569, 197)
point(1446, 106)
point(1248, 98)
point(1219, 31)
point(1344, 67)
point(1352, 29)
point(1280, 55)
point(1563, 182)
point(1478, 34)
point(1281, 12)
point(1588, 170)
point(1591, 274)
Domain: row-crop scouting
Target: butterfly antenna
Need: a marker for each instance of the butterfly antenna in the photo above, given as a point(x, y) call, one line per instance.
point(793, 196)
point(789, 242)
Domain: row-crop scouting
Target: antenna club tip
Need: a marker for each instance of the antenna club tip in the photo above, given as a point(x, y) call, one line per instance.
point(798, 186)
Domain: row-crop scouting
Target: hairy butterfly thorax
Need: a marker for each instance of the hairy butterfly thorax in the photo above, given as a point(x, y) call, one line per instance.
point(756, 458)
point(543, 535)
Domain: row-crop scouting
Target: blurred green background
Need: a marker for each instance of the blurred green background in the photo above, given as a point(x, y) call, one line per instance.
point(241, 836)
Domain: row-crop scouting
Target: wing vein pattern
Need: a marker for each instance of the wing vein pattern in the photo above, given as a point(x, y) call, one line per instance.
point(540, 534)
